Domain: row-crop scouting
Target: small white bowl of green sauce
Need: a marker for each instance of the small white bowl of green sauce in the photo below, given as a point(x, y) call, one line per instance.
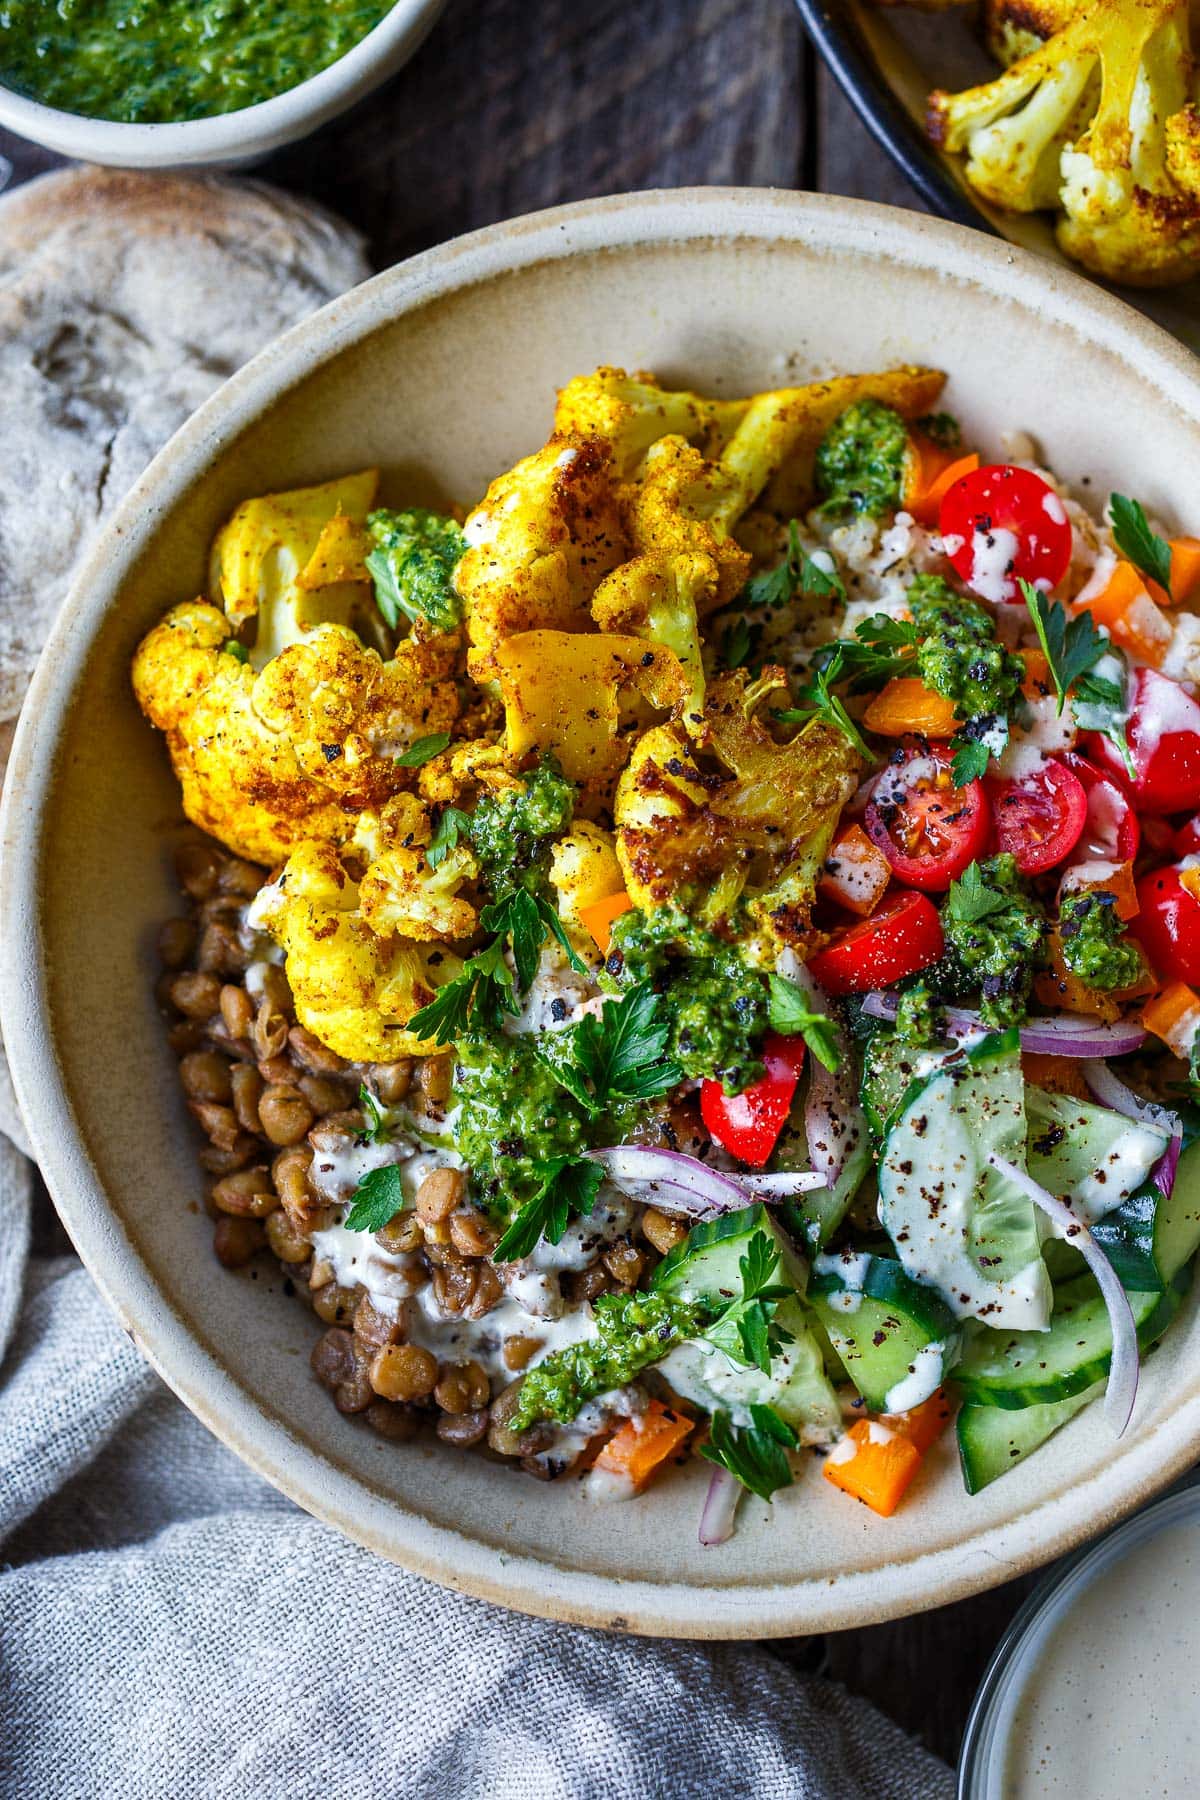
point(164, 83)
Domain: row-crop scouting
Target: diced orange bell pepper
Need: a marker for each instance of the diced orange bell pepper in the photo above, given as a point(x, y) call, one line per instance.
point(1105, 878)
point(1131, 616)
point(907, 706)
point(1056, 1074)
point(643, 1444)
point(1174, 1016)
point(598, 917)
point(874, 1464)
point(1189, 880)
point(1185, 571)
point(1037, 683)
point(855, 873)
point(930, 471)
point(922, 1425)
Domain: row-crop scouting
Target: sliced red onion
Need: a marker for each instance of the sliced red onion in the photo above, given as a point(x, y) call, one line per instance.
point(1060, 1034)
point(720, 1505)
point(1066, 1034)
point(1121, 1390)
point(1111, 1091)
point(782, 1187)
point(676, 1183)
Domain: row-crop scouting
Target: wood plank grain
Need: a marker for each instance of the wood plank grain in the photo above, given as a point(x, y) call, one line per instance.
point(849, 161)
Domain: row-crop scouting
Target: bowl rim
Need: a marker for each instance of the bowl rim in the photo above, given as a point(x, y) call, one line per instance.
point(695, 1607)
point(249, 131)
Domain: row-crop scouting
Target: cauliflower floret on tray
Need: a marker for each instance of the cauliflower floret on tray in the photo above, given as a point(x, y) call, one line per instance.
point(1098, 122)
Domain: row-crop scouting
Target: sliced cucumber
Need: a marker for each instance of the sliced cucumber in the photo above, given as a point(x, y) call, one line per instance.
point(1028, 1368)
point(1177, 1220)
point(893, 1336)
point(992, 1440)
point(705, 1266)
point(956, 1223)
point(889, 1068)
point(1092, 1158)
point(797, 1387)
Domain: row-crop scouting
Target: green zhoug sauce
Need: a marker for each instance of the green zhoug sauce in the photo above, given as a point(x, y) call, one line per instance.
point(160, 61)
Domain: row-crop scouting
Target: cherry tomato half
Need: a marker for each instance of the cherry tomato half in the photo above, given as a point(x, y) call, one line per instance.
point(1001, 523)
point(1164, 740)
point(1039, 819)
point(1168, 925)
point(1186, 841)
point(928, 829)
point(1111, 831)
point(747, 1124)
point(902, 935)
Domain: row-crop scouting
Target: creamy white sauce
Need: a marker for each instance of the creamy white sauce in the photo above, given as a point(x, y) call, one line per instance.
point(1182, 659)
point(1105, 1695)
point(993, 554)
point(336, 1172)
point(557, 996)
point(453, 1338)
point(356, 1259)
point(844, 1451)
point(1045, 733)
point(606, 1485)
point(923, 1380)
point(535, 1280)
point(848, 1266)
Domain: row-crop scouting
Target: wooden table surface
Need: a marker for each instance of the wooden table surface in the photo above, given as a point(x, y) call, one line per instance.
point(511, 106)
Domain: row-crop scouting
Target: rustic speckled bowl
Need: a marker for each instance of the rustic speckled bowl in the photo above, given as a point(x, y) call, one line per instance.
point(444, 371)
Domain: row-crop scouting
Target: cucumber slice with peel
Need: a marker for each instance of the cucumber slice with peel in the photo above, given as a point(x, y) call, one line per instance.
point(893, 1337)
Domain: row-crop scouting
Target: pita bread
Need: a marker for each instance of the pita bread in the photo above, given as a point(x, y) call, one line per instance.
point(125, 299)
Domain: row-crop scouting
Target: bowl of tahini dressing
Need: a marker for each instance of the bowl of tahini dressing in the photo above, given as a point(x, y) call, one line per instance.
point(1093, 1692)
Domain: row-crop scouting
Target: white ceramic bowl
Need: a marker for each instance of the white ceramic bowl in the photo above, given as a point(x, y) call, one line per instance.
point(443, 370)
point(234, 137)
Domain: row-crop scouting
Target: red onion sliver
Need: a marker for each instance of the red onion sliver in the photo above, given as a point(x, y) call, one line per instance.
point(676, 1183)
point(671, 1181)
point(1060, 1034)
point(1121, 1391)
point(1165, 1170)
point(720, 1505)
point(1112, 1092)
point(782, 1186)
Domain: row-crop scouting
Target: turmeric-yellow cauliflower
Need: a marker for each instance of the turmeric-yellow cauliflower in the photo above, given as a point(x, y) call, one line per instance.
point(356, 981)
point(299, 749)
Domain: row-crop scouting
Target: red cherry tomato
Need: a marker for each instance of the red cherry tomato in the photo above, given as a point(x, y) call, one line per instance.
point(1111, 831)
point(1186, 841)
point(747, 1124)
point(1168, 925)
point(1040, 819)
point(1001, 523)
point(928, 829)
point(902, 935)
point(1164, 741)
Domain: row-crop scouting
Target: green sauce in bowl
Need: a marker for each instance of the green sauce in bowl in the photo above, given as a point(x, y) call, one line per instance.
point(157, 62)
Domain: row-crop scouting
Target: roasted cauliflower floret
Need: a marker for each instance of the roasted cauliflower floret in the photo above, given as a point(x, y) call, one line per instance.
point(684, 504)
point(355, 986)
point(658, 598)
point(543, 536)
point(631, 412)
point(750, 822)
point(574, 696)
point(296, 560)
point(583, 869)
point(402, 890)
point(1097, 122)
point(298, 750)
